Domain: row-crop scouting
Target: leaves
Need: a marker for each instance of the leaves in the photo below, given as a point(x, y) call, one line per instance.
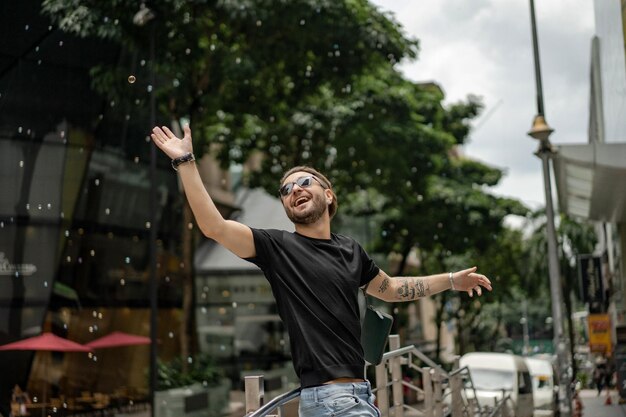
point(201, 369)
point(315, 83)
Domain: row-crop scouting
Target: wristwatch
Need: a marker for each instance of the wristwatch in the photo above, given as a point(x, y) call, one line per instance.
point(182, 159)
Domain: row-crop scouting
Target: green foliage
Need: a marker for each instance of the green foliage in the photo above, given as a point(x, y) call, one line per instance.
point(518, 267)
point(480, 320)
point(315, 83)
point(202, 369)
point(243, 65)
point(575, 237)
point(456, 116)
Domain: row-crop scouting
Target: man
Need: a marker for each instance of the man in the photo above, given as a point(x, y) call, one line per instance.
point(315, 277)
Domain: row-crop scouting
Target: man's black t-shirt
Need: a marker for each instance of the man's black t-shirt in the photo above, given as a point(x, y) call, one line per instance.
point(316, 283)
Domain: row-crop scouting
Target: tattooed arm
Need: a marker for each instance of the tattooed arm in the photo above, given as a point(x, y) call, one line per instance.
point(399, 289)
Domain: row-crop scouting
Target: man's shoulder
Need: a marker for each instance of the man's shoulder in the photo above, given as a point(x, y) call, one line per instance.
point(345, 238)
point(271, 233)
point(346, 241)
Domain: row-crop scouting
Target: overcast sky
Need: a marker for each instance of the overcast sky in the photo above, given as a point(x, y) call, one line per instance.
point(484, 47)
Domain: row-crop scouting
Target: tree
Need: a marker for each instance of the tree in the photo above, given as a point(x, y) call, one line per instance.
point(239, 71)
point(237, 67)
point(575, 237)
point(464, 226)
point(428, 196)
point(389, 144)
point(480, 329)
point(309, 82)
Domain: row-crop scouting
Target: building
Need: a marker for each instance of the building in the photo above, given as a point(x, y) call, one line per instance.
point(236, 316)
point(75, 217)
point(591, 178)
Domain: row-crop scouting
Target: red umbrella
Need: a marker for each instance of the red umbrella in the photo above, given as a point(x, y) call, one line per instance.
point(46, 341)
point(116, 339)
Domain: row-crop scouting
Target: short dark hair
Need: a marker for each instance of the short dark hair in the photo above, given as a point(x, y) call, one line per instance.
point(332, 207)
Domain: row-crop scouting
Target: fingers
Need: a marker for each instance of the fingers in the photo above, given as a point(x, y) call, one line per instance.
point(163, 133)
point(478, 290)
point(158, 135)
point(481, 280)
point(161, 136)
point(187, 131)
point(158, 141)
point(484, 281)
point(474, 282)
point(469, 270)
point(169, 133)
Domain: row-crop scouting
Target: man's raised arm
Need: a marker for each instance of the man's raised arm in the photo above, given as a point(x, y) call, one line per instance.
point(233, 235)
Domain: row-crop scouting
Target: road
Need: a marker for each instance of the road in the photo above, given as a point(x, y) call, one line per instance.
point(594, 405)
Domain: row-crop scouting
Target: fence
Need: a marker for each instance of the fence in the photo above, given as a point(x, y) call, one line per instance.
point(407, 384)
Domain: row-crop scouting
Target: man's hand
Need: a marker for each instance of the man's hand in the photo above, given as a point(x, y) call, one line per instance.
point(468, 280)
point(168, 142)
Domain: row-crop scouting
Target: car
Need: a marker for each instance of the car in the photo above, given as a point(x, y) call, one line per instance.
point(545, 389)
point(496, 375)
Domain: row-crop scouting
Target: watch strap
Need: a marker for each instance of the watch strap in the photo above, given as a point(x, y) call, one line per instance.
point(182, 159)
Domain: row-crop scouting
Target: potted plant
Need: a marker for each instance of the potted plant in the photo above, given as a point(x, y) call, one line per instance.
point(200, 390)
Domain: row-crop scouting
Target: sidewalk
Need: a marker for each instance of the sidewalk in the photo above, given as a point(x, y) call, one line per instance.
point(594, 405)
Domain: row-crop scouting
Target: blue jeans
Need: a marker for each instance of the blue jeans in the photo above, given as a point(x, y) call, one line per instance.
point(354, 399)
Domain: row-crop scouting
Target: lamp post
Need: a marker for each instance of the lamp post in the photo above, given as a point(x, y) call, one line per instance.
point(541, 131)
point(145, 17)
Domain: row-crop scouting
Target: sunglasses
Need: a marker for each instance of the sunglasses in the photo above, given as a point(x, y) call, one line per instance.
point(302, 182)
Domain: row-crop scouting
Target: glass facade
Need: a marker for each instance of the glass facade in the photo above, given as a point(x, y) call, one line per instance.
point(75, 215)
point(238, 324)
point(75, 226)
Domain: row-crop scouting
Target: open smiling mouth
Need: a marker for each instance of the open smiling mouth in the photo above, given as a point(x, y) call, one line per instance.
point(300, 201)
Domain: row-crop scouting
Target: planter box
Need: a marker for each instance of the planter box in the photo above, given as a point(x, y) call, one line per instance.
point(193, 401)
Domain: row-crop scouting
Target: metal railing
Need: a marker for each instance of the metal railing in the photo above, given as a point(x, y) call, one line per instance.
point(500, 409)
point(254, 399)
point(390, 387)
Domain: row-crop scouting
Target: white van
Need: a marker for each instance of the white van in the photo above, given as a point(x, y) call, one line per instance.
point(545, 391)
point(498, 374)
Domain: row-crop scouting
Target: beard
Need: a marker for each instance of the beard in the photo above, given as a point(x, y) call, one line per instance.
point(310, 215)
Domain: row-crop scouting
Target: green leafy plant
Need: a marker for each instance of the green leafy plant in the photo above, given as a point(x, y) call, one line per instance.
point(200, 369)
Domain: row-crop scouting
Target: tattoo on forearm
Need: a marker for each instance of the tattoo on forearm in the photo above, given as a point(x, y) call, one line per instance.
point(383, 286)
point(412, 288)
point(406, 291)
point(421, 288)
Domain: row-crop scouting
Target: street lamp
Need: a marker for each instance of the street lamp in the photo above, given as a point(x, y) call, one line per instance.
point(541, 131)
point(145, 17)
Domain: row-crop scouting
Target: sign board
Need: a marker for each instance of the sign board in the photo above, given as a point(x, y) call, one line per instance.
point(599, 333)
point(591, 283)
point(10, 269)
point(620, 333)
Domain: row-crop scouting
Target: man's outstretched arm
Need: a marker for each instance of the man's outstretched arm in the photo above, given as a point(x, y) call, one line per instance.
point(398, 289)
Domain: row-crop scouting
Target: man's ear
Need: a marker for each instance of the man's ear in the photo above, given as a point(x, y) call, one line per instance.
point(329, 196)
